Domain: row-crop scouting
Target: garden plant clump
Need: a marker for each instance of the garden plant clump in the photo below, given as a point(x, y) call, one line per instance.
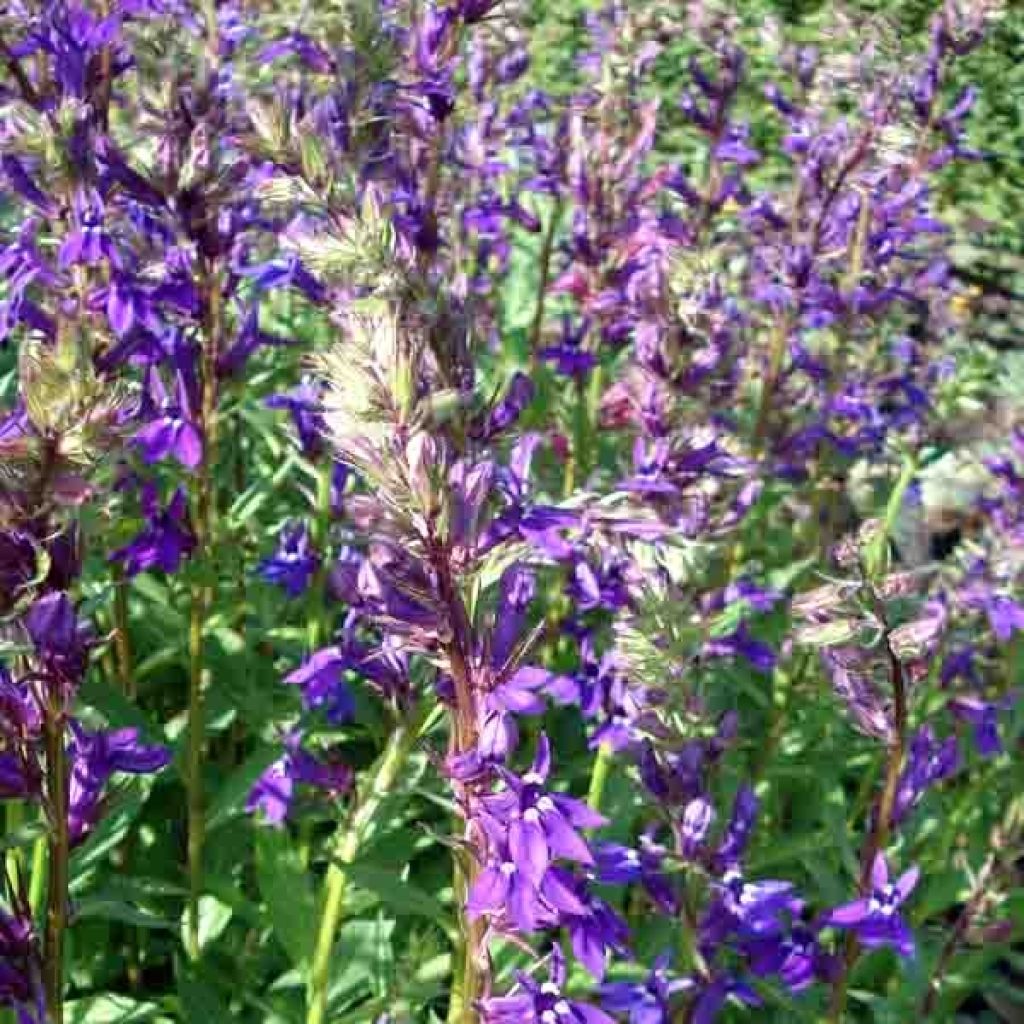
point(501, 545)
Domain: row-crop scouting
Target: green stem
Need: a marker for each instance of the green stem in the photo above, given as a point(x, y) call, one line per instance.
point(470, 953)
point(547, 248)
point(14, 818)
point(382, 782)
point(37, 885)
point(194, 770)
point(880, 825)
point(122, 640)
point(599, 776)
point(317, 618)
point(57, 892)
point(777, 361)
point(202, 603)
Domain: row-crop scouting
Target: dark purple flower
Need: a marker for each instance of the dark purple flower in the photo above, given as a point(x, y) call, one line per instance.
point(60, 639)
point(171, 433)
point(319, 678)
point(714, 995)
point(740, 643)
point(875, 918)
point(506, 412)
point(928, 762)
point(95, 759)
point(535, 1002)
point(984, 716)
point(166, 540)
point(795, 956)
point(303, 404)
point(741, 825)
point(274, 791)
point(649, 1001)
point(745, 909)
point(623, 865)
point(294, 564)
point(18, 565)
point(15, 781)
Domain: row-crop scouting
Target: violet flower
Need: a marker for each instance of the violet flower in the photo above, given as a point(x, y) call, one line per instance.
point(275, 790)
point(95, 759)
point(875, 918)
point(294, 564)
point(984, 717)
point(541, 1002)
point(651, 1001)
point(319, 678)
point(166, 540)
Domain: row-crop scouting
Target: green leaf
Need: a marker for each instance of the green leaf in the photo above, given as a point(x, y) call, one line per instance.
point(111, 1009)
point(127, 804)
point(117, 910)
point(114, 706)
point(214, 917)
point(200, 1001)
point(362, 957)
point(286, 890)
point(24, 835)
point(398, 895)
point(231, 797)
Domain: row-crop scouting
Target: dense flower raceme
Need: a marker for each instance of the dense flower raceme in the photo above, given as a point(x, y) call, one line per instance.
point(873, 214)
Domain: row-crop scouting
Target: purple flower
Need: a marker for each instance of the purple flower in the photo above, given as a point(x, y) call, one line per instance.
point(515, 696)
point(274, 791)
point(875, 918)
point(1005, 616)
point(595, 930)
point(740, 643)
point(527, 829)
point(319, 678)
point(645, 1002)
point(171, 433)
point(622, 865)
point(984, 716)
point(95, 759)
point(541, 1002)
point(166, 540)
point(539, 825)
point(929, 761)
point(697, 817)
point(294, 564)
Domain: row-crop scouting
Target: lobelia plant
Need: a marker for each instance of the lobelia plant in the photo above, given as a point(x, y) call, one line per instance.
point(599, 702)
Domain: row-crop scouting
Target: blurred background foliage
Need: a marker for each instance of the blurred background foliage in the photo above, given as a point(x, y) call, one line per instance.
point(985, 199)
